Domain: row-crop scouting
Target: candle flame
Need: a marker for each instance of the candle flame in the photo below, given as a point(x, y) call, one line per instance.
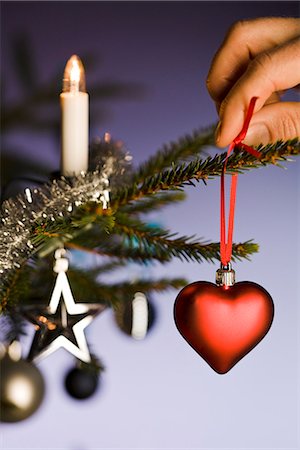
point(75, 72)
point(107, 138)
point(74, 76)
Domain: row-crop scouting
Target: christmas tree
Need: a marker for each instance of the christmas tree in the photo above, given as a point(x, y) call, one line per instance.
point(104, 212)
point(36, 223)
point(70, 213)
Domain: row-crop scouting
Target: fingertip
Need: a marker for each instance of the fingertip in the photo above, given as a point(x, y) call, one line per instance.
point(221, 142)
point(223, 134)
point(233, 112)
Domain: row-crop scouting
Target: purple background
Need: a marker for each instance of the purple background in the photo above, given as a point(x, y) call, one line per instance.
point(159, 393)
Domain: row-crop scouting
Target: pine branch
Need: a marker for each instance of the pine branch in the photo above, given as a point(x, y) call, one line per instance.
point(157, 241)
point(52, 234)
point(133, 240)
point(187, 146)
point(204, 169)
point(124, 251)
point(128, 289)
point(106, 268)
point(14, 288)
point(117, 247)
point(118, 293)
point(12, 326)
point(87, 288)
point(155, 202)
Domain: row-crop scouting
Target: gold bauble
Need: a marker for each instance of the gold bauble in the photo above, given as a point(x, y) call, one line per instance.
point(22, 389)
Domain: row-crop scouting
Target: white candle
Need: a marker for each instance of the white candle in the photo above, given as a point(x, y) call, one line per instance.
point(74, 103)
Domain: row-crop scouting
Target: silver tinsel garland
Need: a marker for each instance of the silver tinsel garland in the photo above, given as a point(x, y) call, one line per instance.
point(54, 200)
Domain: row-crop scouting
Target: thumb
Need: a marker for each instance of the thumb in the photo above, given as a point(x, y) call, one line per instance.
point(276, 121)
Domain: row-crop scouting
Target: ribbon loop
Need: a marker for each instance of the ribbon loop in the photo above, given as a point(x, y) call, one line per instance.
point(242, 134)
point(226, 246)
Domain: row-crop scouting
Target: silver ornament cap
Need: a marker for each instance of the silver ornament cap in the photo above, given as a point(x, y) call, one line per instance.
point(225, 276)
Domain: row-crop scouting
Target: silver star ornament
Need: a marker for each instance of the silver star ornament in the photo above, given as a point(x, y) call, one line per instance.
point(62, 323)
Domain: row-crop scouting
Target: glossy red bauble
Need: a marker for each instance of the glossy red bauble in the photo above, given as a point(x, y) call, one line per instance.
point(223, 323)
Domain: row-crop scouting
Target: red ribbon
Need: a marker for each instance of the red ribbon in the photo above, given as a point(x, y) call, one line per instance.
point(226, 247)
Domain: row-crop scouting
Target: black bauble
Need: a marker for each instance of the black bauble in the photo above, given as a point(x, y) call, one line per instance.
point(81, 383)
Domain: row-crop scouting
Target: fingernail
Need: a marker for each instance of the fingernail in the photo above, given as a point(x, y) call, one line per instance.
point(257, 134)
point(218, 132)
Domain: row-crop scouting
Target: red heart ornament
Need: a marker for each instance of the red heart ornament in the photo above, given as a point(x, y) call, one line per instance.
point(223, 323)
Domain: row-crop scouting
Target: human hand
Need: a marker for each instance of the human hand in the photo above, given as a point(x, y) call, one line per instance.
point(258, 58)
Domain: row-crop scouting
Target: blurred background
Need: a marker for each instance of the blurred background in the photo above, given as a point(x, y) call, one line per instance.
point(146, 64)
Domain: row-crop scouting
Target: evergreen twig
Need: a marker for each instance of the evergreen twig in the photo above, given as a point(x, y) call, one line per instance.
point(155, 202)
point(157, 241)
point(187, 146)
point(204, 169)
